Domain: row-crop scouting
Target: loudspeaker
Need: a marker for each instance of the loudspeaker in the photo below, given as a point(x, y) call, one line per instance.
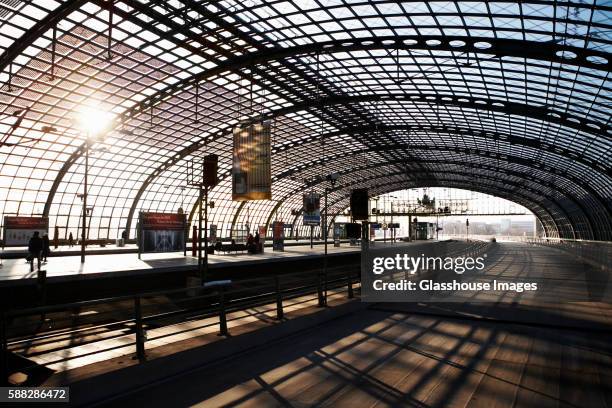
point(359, 204)
point(210, 170)
point(353, 230)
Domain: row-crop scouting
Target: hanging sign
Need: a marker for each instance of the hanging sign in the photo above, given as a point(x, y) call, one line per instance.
point(312, 209)
point(251, 170)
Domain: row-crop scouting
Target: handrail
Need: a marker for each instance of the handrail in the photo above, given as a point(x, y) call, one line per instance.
point(85, 303)
point(555, 239)
point(222, 301)
point(595, 253)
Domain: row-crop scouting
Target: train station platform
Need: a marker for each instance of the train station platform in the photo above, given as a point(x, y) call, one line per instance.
point(129, 248)
point(117, 264)
point(518, 353)
point(119, 274)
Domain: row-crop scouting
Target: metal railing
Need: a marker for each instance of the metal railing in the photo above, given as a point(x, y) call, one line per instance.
point(199, 302)
point(595, 253)
point(192, 303)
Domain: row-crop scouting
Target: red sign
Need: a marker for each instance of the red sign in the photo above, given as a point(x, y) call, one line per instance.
point(29, 223)
point(162, 221)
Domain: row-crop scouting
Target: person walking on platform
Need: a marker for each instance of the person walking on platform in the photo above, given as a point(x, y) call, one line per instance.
point(46, 247)
point(70, 240)
point(35, 247)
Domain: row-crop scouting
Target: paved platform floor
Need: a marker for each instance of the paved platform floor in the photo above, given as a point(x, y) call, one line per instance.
point(407, 357)
point(14, 269)
point(66, 250)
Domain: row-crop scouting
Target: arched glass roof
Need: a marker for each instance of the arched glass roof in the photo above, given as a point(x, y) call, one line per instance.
point(506, 98)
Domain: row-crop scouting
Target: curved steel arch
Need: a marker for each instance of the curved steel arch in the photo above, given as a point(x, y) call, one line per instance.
point(455, 101)
point(534, 112)
point(535, 192)
point(509, 159)
point(389, 43)
point(511, 47)
point(510, 193)
point(499, 47)
point(476, 103)
point(600, 167)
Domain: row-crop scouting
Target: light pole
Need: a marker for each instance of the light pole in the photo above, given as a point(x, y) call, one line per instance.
point(391, 222)
point(84, 227)
point(88, 150)
point(332, 178)
point(200, 263)
point(93, 123)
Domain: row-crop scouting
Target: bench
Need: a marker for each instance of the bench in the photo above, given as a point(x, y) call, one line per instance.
point(227, 248)
point(101, 242)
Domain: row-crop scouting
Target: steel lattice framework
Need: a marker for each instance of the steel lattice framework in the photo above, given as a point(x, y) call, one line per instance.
point(506, 98)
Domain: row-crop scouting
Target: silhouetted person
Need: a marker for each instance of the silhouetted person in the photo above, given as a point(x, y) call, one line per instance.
point(251, 244)
point(258, 247)
point(70, 240)
point(46, 247)
point(35, 247)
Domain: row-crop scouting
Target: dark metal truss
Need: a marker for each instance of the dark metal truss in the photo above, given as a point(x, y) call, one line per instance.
point(507, 99)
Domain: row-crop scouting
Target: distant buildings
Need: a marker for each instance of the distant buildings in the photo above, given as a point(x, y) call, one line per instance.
point(504, 226)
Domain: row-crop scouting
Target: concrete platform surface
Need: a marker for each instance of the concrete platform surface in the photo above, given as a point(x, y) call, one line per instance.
point(419, 356)
point(67, 266)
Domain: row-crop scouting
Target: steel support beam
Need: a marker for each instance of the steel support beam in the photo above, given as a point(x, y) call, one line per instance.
point(38, 30)
point(523, 141)
point(499, 48)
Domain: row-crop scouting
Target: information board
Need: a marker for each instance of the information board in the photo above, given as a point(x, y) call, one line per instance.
point(161, 232)
point(278, 236)
point(18, 230)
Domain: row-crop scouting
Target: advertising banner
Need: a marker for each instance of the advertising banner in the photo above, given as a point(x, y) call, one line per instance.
point(312, 209)
point(161, 232)
point(251, 170)
point(278, 236)
point(19, 230)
